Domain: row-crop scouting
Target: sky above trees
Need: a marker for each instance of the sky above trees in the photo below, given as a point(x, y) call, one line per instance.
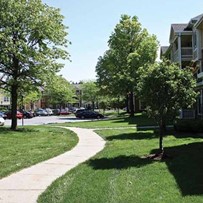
point(92, 22)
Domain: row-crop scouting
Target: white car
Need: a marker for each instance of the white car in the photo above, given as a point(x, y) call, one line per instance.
point(1, 121)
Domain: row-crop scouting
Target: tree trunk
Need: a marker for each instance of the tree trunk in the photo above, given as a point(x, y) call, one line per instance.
point(162, 128)
point(127, 105)
point(93, 106)
point(132, 104)
point(14, 97)
point(118, 107)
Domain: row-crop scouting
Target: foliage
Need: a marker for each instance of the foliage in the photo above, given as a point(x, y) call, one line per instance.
point(90, 92)
point(189, 125)
point(32, 38)
point(165, 89)
point(58, 91)
point(130, 47)
point(31, 145)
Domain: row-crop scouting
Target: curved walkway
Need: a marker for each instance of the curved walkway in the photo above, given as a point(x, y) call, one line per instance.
point(26, 185)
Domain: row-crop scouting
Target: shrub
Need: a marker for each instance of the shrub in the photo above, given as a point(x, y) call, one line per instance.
point(188, 125)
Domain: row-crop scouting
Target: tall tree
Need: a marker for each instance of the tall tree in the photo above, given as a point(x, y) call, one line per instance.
point(90, 92)
point(130, 47)
point(165, 89)
point(59, 91)
point(32, 38)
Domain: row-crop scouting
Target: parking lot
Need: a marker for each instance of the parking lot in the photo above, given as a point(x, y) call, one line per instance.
point(41, 120)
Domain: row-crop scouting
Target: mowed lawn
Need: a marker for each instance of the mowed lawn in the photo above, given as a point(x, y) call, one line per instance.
point(122, 173)
point(116, 122)
point(30, 145)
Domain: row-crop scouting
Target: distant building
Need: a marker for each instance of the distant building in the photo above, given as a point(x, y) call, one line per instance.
point(4, 100)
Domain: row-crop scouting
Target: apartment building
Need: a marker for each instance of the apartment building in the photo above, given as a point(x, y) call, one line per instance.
point(4, 100)
point(186, 49)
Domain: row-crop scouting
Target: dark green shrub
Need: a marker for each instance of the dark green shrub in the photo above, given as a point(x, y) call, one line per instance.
point(188, 125)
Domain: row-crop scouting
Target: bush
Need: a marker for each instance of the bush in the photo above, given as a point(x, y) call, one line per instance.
point(188, 125)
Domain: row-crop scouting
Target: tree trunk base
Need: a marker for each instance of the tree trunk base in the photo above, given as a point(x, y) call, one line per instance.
point(159, 156)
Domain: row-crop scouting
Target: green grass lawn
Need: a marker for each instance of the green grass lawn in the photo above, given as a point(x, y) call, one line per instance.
point(30, 145)
point(121, 173)
point(119, 121)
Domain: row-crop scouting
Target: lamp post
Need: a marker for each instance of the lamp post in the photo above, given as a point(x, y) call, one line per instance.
point(22, 110)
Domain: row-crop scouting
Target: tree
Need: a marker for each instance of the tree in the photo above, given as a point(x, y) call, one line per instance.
point(130, 47)
point(165, 89)
point(32, 38)
point(90, 92)
point(59, 91)
point(30, 98)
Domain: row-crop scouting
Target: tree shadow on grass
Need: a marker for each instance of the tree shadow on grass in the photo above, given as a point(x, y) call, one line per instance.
point(8, 131)
point(137, 120)
point(120, 162)
point(180, 135)
point(186, 165)
point(140, 135)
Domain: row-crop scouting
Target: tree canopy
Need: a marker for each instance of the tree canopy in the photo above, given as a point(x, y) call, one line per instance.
point(59, 91)
point(32, 38)
point(165, 89)
point(89, 92)
point(130, 47)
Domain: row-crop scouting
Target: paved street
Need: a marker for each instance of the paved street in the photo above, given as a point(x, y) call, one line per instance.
point(40, 120)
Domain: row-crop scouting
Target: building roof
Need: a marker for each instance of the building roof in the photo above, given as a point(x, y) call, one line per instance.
point(197, 18)
point(164, 49)
point(179, 27)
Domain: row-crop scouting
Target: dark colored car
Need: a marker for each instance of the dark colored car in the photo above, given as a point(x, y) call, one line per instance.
point(56, 112)
point(27, 114)
point(79, 111)
point(89, 114)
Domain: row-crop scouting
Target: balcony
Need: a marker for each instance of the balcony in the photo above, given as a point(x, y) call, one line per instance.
point(186, 53)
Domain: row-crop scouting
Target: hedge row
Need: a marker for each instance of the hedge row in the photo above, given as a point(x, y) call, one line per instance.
point(189, 125)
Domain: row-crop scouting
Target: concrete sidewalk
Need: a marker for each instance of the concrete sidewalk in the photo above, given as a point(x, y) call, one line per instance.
point(26, 185)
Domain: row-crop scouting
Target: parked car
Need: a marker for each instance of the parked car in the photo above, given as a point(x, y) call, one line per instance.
point(89, 114)
point(41, 112)
point(49, 111)
point(79, 111)
point(64, 112)
point(3, 115)
point(19, 115)
point(1, 121)
point(27, 114)
point(56, 112)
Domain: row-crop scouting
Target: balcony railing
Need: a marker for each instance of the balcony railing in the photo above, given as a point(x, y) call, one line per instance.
point(176, 56)
point(195, 54)
point(187, 114)
point(186, 52)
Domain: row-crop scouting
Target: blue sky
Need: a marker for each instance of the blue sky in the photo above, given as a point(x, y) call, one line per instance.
point(91, 22)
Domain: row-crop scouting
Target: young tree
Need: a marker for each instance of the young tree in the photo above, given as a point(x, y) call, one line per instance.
point(32, 38)
point(130, 47)
point(90, 92)
point(165, 89)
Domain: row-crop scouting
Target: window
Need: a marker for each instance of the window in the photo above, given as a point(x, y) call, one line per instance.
point(6, 99)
